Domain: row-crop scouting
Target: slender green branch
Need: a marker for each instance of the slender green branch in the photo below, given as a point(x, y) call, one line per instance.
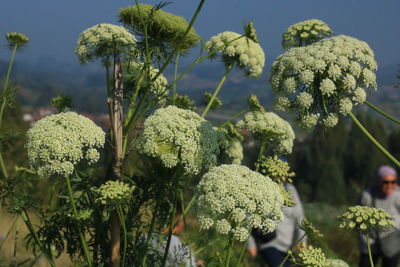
point(290, 250)
point(122, 220)
point(82, 237)
point(16, 241)
point(171, 226)
point(3, 167)
point(242, 253)
point(228, 70)
point(234, 116)
point(200, 59)
point(4, 100)
point(228, 251)
point(371, 261)
point(175, 75)
point(380, 111)
point(373, 140)
point(150, 232)
point(29, 225)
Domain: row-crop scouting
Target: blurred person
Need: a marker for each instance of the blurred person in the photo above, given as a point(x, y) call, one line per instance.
point(385, 195)
point(288, 234)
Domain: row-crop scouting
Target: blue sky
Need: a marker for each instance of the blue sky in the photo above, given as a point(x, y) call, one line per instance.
point(54, 25)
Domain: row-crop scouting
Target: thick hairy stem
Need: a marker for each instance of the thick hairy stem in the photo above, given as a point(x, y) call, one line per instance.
point(116, 115)
point(373, 140)
point(81, 234)
point(371, 261)
point(29, 225)
point(380, 111)
point(228, 70)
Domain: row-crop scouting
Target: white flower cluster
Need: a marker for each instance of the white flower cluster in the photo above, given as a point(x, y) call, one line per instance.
point(136, 73)
point(57, 143)
point(114, 193)
point(366, 219)
point(324, 79)
point(231, 149)
point(246, 53)
point(269, 127)
point(305, 33)
point(102, 41)
point(178, 136)
point(234, 199)
point(311, 257)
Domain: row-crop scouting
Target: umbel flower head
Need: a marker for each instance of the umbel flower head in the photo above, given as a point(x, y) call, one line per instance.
point(58, 143)
point(179, 137)
point(114, 193)
point(322, 80)
point(136, 74)
point(161, 26)
point(102, 41)
point(310, 256)
point(244, 52)
point(233, 199)
point(230, 145)
point(305, 33)
point(16, 39)
point(270, 127)
point(366, 219)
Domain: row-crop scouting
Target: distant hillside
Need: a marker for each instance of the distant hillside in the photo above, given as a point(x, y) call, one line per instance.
point(38, 83)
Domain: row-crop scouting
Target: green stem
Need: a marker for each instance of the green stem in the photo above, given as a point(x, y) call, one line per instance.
point(234, 116)
point(175, 74)
point(373, 140)
point(171, 226)
point(184, 221)
point(369, 251)
point(228, 69)
point(3, 167)
point(122, 220)
point(200, 59)
point(206, 245)
point(29, 225)
point(228, 251)
point(153, 220)
point(380, 111)
point(285, 259)
point(107, 67)
point(4, 100)
point(242, 253)
point(16, 241)
point(82, 237)
point(178, 48)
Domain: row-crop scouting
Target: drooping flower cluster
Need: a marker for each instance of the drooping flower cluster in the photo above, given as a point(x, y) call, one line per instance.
point(305, 33)
point(279, 172)
point(247, 54)
point(234, 199)
point(178, 136)
point(230, 145)
point(102, 41)
point(366, 219)
point(324, 79)
point(276, 169)
point(16, 39)
point(313, 234)
point(136, 74)
point(337, 263)
point(114, 193)
point(312, 257)
point(58, 143)
point(160, 25)
point(268, 126)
